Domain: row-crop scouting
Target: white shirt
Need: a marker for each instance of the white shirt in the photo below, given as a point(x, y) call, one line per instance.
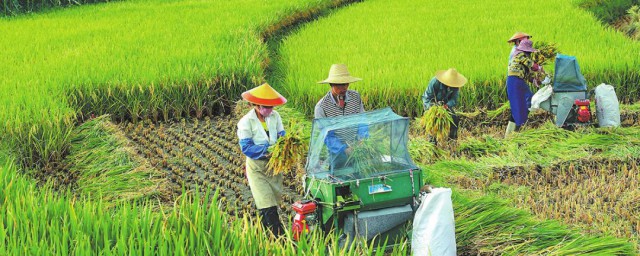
point(249, 126)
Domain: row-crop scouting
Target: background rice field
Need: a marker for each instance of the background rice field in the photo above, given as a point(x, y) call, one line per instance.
point(397, 46)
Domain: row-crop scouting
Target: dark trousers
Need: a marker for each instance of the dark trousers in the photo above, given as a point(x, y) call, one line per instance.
point(271, 220)
point(453, 131)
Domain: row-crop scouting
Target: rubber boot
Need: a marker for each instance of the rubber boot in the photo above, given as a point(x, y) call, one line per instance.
point(511, 127)
point(271, 220)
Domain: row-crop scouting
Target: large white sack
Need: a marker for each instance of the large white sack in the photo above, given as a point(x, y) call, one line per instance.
point(607, 106)
point(433, 225)
point(541, 95)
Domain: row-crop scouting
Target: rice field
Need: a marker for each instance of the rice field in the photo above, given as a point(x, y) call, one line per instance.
point(162, 174)
point(130, 59)
point(398, 55)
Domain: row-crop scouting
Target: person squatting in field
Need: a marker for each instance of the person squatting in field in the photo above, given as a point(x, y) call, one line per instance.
point(257, 131)
point(443, 89)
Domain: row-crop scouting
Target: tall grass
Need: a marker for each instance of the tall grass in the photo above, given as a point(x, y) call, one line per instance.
point(609, 11)
point(398, 55)
point(136, 59)
point(15, 7)
point(38, 222)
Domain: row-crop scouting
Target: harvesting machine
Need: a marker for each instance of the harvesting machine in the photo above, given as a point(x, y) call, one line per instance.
point(569, 99)
point(360, 180)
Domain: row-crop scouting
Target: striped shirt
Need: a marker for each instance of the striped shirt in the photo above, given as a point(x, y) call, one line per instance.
point(328, 107)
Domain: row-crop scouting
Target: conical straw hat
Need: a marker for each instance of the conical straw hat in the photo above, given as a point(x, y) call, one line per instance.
point(338, 74)
point(264, 95)
point(518, 35)
point(451, 78)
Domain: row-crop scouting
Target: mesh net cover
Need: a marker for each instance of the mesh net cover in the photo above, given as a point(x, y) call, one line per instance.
point(360, 146)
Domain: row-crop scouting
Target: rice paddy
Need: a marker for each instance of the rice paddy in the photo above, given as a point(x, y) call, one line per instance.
point(162, 173)
point(398, 55)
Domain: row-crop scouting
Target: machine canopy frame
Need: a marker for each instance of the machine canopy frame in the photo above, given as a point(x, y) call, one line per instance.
point(360, 146)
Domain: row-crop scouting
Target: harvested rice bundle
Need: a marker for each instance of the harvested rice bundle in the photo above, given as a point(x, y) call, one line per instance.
point(290, 151)
point(437, 122)
point(367, 154)
point(546, 53)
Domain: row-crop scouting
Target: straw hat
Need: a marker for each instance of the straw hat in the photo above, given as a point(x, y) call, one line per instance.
point(518, 35)
point(451, 78)
point(338, 74)
point(526, 46)
point(264, 95)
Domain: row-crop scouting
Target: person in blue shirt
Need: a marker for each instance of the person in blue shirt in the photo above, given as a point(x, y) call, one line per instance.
point(258, 130)
point(443, 89)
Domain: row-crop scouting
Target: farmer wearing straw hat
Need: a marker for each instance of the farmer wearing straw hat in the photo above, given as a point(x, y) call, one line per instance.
point(257, 131)
point(340, 101)
point(515, 40)
point(443, 90)
point(518, 92)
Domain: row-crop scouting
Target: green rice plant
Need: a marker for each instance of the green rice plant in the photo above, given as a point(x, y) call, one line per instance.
point(396, 66)
point(424, 152)
point(480, 146)
point(367, 154)
point(608, 11)
point(632, 25)
point(16, 7)
point(131, 67)
point(36, 221)
point(488, 225)
point(505, 108)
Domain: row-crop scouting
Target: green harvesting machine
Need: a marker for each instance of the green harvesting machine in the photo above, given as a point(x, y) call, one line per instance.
point(360, 180)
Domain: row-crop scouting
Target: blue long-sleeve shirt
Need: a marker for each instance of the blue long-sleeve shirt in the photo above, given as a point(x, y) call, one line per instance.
point(253, 151)
point(336, 145)
point(436, 92)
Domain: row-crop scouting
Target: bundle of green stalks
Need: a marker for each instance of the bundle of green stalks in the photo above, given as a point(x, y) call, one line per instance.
point(436, 122)
point(477, 147)
point(504, 108)
point(101, 157)
point(546, 52)
point(366, 154)
point(289, 152)
point(424, 152)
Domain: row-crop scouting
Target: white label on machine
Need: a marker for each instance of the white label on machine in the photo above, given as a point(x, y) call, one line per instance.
point(379, 188)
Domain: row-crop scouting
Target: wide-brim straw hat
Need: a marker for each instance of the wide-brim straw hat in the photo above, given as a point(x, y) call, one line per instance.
point(451, 78)
point(526, 46)
point(518, 35)
point(264, 95)
point(338, 74)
